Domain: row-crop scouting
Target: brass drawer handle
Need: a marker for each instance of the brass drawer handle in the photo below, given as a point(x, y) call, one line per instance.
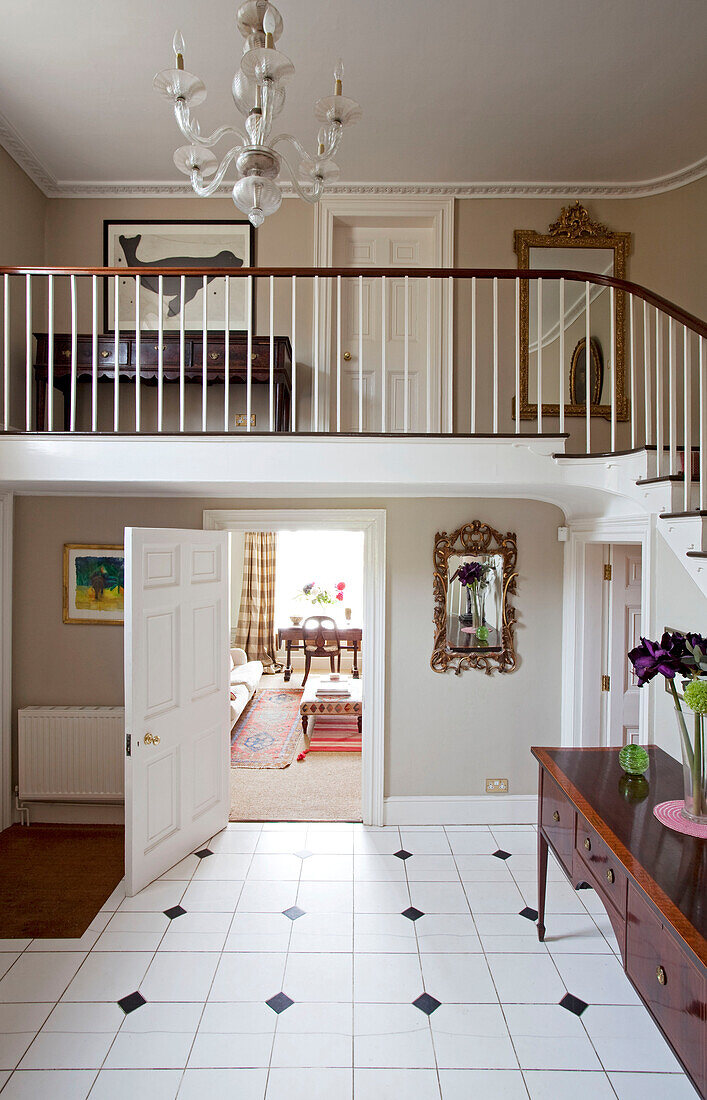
point(588, 844)
point(555, 815)
point(157, 347)
point(213, 355)
point(661, 975)
point(66, 353)
point(152, 739)
point(105, 354)
point(253, 357)
point(610, 876)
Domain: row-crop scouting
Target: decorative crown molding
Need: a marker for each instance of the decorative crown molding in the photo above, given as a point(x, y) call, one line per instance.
point(87, 189)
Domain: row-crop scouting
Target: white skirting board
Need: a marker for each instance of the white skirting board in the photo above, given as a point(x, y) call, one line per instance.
point(481, 809)
point(65, 813)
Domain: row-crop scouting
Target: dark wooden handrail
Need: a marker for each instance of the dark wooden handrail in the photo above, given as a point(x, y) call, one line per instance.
point(695, 324)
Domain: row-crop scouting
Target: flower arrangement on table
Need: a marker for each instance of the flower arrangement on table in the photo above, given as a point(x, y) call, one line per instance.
point(319, 596)
point(474, 577)
point(684, 656)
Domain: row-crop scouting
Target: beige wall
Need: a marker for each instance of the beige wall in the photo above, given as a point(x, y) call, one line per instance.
point(444, 734)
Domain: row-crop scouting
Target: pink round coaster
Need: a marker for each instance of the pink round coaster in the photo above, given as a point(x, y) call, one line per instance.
point(668, 813)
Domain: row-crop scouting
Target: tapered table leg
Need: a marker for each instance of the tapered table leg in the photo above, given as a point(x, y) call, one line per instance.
point(542, 882)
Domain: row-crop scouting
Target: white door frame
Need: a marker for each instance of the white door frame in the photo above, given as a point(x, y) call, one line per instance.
point(372, 523)
point(6, 537)
point(440, 212)
point(622, 529)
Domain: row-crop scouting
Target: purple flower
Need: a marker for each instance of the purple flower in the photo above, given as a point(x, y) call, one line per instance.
point(470, 572)
point(667, 657)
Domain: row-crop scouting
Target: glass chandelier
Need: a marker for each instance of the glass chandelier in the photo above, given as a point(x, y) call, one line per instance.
point(258, 91)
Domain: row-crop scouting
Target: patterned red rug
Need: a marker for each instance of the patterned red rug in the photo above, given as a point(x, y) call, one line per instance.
point(267, 733)
point(335, 735)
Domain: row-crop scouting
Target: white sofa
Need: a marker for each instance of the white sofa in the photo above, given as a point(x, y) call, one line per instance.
point(245, 677)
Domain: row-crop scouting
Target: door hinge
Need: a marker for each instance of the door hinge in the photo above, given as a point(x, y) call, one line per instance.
point(128, 744)
point(606, 683)
point(607, 572)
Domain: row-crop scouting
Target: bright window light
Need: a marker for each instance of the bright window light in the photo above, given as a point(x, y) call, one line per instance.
point(325, 557)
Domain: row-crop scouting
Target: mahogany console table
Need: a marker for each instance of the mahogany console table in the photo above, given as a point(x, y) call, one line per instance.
point(193, 349)
point(651, 880)
point(349, 636)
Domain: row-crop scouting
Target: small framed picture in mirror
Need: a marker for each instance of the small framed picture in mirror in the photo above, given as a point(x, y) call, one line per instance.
point(578, 373)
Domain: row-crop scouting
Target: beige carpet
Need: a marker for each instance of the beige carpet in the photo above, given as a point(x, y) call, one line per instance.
point(326, 786)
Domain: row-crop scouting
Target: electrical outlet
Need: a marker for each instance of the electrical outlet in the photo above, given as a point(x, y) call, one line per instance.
point(496, 786)
point(242, 420)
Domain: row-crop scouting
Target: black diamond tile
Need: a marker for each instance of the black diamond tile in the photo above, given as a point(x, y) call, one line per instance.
point(574, 1004)
point(500, 854)
point(402, 854)
point(427, 1004)
point(412, 913)
point(279, 1002)
point(293, 912)
point(528, 913)
point(175, 911)
point(583, 886)
point(204, 853)
point(131, 1002)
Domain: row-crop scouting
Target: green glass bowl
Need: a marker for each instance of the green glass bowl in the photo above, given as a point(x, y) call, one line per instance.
point(633, 759)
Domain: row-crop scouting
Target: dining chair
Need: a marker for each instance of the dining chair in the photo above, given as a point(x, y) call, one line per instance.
point(317, 641)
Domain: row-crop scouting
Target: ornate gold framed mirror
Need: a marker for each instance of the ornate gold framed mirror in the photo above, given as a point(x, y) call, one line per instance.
point(474, 576)
point(572, 243)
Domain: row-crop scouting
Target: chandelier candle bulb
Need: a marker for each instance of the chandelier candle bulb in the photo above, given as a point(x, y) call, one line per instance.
point(178, 47)
point(339, 78)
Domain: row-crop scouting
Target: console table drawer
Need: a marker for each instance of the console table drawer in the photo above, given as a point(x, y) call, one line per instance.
point(557, 819)
point(607, 876)
point(669, 983)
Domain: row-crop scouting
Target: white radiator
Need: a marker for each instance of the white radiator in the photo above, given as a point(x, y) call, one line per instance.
point(71, 754)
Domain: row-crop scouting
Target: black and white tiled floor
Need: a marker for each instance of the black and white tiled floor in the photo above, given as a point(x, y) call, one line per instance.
point(327, 962)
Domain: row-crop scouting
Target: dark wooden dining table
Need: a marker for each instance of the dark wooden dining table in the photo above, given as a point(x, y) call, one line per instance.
point(291, 637)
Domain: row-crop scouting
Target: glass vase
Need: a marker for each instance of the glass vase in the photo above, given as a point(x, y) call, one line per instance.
point(692, 743)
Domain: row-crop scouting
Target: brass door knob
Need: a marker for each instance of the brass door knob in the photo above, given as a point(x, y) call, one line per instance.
point(588, 844)
point(610, 876)
point(151, 739)
point(555, 815)
point(661, 975)
point(347, 355)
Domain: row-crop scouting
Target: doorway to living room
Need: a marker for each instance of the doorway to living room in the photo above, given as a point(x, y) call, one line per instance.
point(307, 609)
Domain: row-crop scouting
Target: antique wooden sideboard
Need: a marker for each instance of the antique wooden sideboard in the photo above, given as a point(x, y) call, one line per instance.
point(149, 368)
point(651, 880)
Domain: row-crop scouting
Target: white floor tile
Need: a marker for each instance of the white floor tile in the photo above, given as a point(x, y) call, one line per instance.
point(318, 977)
point(334, 842)
point(111, 903)
point(80, 1016)
point(418, 1084)
point(549, 1084)
point(455, 932)
point(392, 1037)
point(258, 932)
point(573, 934)
point(57, 1084)
point(482, 868)
point(59, 1050)
point(182, 870)
point(439, 897)
point(472, 1036)
point(211, 897)
point(431, 868)
point(183, 977)
point(327, 868)
point(325, 897)
point(40, 977)
point(549, 1037)
point(524, 945)
point(602, 982)
point(462, 1084)
point(223, 1084)
point(81, 943)
point(516, 841)
point(626, 1039)
point(374, 867)
point(387, 978)
point(158, 1050)
point(281, 843)
point(108, 976)
point(247, 976)
point(381, 897)
point(526, 978)
point(322, 932)
point(197, 932)
point(458, 978)
point(129, 941)
point(383, 841)
point(384, 932)
point(472, 842)
point(431, 841)
point(651, 1086)
point(494, 897)
point(266, 897)
point(234, 1036)
point(315, 1035)
point(225, 867)
point(560, 897)
point(309, 1084)
point(19, 1023)
point(117, 1084)
point(272, 867)
point(15, 946)
point(504, 924)
point(235, 843)
point(155, 898)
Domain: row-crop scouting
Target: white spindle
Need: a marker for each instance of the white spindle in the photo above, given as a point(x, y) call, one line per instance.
point(612, 366)
point(116, 353)
point(293, 415)
point(249, 359)
point(226, 351)
point(562, 356)
point(703, 424)
point(539, 360)
point(647, 375)
point(672, 398)
point(74, 357)
point(271, 381)
point(687, 404)
point(406, 359)
point(360, 353)
point(338, 353)
point(28, 353)
point(450, 356)
point(160, 353)
point(50, 355)
point(428, 360)
point(204, 352)
point(472, 410)
point(659, 391)
point(516, 386)
point(315, 364)
point(94, 353)
point(6, 353)
point(587, 363)
point(384, 377)
point(137, 353)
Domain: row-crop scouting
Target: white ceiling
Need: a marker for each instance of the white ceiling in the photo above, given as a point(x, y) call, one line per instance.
point(487, 91)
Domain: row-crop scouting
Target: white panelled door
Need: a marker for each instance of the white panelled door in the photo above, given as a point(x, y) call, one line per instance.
point(176, 696)
point(373, 382)
point(625, 627)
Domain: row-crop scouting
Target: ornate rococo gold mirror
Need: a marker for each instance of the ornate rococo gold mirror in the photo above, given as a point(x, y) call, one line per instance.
point(573, 242)
point(474, 575)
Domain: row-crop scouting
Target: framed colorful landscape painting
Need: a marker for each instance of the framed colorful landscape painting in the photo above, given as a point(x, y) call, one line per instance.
point(94, 581)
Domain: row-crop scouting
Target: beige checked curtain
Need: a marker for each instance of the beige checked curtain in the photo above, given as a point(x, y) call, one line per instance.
point(255, 632)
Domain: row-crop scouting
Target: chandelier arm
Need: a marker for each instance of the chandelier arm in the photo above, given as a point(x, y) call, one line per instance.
point(316, 193)
point(205, 190)
point(295, 143)
point(336, 134)
point(191, 131)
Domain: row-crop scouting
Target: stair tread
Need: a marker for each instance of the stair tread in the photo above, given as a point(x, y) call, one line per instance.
point(665, 477)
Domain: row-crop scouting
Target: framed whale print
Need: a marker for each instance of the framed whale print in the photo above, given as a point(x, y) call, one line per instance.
point(147, 245)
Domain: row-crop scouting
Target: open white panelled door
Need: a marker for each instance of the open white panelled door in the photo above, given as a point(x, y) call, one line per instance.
point(176, 696)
